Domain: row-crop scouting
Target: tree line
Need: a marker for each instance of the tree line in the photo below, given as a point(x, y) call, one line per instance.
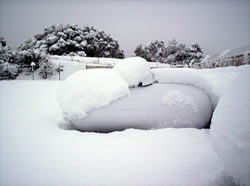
point(86, 42)
point(157, 51)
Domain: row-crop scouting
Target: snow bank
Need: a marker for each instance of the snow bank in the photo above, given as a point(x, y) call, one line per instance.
point(86, 90)
point(230, 129)
point(133, 70)
point(185, 76)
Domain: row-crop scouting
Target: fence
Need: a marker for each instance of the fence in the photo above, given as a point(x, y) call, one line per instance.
point(60, 67)
point(55, 71)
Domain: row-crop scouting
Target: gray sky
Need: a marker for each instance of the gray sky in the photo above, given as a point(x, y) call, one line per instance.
point(215, 24)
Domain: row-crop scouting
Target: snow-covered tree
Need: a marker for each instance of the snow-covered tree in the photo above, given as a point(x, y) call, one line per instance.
point(69, 39)
point(153, 51)
point(176, 52)
point(157, 51)
point(172, 47)
point(46, 69)
point(6, 54)
point(8, 70)
point(195, 53)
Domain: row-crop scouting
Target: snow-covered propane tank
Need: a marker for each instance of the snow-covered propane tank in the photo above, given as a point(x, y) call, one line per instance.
point(100, 100)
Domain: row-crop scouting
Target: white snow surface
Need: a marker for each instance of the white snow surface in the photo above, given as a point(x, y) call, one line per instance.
point(133, 70)
point(230, 129)
point(35, 150)
point(37, 146)
point(86, 90)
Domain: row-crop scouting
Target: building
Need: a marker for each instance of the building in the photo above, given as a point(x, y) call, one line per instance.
point(235, 57)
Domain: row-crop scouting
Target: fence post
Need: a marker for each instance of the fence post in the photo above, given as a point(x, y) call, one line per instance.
point(7, 66)
point(32, 69)
point(59, 71)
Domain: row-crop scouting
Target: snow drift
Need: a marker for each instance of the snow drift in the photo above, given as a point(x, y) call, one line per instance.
point(230, 129)
point(86, 90)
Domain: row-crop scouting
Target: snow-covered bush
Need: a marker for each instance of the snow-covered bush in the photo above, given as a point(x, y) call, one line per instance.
point(69, 40)
point(86, 90)
point(8, 68)
point(6, 54)
point(230, 129)
point(133, 70)
point(8, 71)
point(46, 70)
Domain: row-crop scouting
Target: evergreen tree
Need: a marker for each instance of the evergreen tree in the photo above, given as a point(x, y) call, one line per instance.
point(153, 51)
point(8, 70)
point(195, 53)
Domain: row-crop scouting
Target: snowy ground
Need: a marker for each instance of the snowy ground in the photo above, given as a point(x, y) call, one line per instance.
point(36, 148)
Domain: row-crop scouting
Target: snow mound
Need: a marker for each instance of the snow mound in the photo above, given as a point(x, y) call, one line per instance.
point(86, 90)
point(188, 77)
point(133, 70)
point(230, 129)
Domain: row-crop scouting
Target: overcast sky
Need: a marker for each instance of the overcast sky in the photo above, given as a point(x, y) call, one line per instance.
point(214, 24)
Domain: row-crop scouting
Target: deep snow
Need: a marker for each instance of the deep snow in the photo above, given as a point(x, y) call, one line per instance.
point(36, 148)
point(36, 151)
point(230, 129)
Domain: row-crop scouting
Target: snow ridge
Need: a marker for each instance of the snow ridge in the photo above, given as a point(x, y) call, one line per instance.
point(230, 129)
point(185, 76)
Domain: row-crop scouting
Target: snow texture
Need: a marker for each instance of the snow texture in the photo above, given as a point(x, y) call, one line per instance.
point(36, 151)
point(188, 77)
point(230, 129)
point(133, 70)
point(86, 90)
point(177, 98)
